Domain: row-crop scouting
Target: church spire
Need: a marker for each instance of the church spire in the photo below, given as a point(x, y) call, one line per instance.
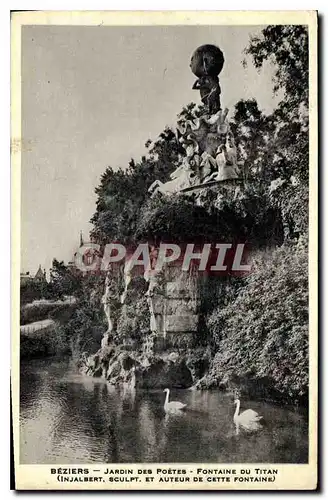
point(81, 239)
point(39, 274)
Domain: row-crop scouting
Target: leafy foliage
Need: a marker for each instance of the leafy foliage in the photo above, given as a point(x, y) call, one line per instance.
point(121, 194)
point(178, 219)
point(63, 280)
point(34, 290)
point(286, 158)
point(133, 324)
point(286, 46)
point(85, 325)
point(263, 332)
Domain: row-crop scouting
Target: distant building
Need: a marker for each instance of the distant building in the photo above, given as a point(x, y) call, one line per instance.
point(40, 277)
point(90, 253)
point(76, 260)
point(25, 278)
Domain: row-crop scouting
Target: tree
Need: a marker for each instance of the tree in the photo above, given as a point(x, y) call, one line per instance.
point(86, 324)
point(286, 47)
point(121, 194)
point(34, 290)
point(64, 280)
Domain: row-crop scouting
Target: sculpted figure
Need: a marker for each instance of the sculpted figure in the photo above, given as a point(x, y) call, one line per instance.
point(207, 165)
point(231, 150)
point(192, 158)
point(206, 133)
point(227, 166)
point(207, 60)
point(183, 177)
point(222, 123)
point(194, 163)
point(190, 144)
point(217, 122)
point(221, 161)
point(206, 63)
point(183, 125)
point(210, 91)
point(226, 169)
point(193, 132)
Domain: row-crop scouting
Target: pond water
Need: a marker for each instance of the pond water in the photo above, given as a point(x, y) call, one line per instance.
point(67, 418)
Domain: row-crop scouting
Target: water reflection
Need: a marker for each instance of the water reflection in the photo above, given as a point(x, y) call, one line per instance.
point(67, 418)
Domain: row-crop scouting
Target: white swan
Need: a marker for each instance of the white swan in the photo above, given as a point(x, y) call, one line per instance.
point(248, 419)
point(172, 406)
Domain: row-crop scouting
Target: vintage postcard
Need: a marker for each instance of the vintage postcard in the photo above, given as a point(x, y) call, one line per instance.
point(164, 250)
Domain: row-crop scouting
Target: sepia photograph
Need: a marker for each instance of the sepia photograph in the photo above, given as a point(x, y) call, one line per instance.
point(163, 244)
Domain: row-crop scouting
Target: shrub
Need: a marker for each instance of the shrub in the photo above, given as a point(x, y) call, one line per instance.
point(264, 331)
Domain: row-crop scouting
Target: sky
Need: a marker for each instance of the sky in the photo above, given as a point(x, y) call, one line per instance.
point(91, 97)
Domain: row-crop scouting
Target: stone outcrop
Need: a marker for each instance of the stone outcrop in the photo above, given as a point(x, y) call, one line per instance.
point(174, 308)
point(136, 369)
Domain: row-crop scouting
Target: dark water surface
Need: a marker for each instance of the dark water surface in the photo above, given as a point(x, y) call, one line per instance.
point(67, 418)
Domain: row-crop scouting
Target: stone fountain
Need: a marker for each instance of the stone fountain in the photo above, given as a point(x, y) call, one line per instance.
point(209, 164)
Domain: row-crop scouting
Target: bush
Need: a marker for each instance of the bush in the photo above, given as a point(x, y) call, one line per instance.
point(83, 325)
point(264, 331)
point(30, 313)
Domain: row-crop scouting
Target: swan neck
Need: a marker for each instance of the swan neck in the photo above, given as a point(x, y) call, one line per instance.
point(167, 396)
point(237, 409)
